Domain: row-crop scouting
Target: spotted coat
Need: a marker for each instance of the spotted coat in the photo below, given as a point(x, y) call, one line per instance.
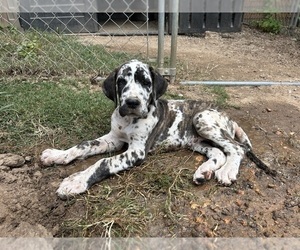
point(142, 122)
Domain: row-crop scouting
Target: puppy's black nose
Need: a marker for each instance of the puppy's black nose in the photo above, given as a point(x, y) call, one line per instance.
point(132, 103)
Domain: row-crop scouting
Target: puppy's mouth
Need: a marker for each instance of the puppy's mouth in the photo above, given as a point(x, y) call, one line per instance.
point(124, 110)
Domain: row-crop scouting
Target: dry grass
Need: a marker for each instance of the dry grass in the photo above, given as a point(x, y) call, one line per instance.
point(131, 203)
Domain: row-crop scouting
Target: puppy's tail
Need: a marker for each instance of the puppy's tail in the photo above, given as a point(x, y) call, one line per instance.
point(260, 164)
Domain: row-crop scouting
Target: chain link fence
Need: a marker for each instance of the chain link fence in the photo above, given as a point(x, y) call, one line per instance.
point(71, 37)
point(51, 37)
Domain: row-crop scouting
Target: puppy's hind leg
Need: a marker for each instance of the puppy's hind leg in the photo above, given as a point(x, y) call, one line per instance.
point(219, 129)
point(242, 137)
point(216, 159)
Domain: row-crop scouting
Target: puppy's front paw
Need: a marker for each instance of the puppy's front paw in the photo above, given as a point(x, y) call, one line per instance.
point(72, 185)
point(54, 156)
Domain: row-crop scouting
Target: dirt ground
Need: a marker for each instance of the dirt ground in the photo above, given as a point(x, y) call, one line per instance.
point(257, 205)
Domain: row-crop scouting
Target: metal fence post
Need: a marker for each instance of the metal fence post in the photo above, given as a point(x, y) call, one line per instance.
point(147, 25)
point(295, 15)
point(161, 36)
point(175, 18)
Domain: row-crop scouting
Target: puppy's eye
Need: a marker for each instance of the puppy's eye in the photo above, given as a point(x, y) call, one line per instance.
point(147, 82)
point(121, 82)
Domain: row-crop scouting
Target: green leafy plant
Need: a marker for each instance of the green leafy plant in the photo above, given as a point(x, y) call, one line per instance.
point(269, 24)
point(28, 48)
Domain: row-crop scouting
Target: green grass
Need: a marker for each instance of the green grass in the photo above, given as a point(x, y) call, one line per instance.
point(35, 53)
point(172, 96)
point(34, 113)
point(43, 92)
point(222, 97)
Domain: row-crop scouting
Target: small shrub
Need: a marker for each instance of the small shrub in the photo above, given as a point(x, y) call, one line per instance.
point(28, 48)
point(269, 24)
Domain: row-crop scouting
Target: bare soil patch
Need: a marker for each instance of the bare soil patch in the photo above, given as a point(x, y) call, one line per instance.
point(257, 205)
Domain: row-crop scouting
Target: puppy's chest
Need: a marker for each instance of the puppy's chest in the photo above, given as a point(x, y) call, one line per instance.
point(128, 129)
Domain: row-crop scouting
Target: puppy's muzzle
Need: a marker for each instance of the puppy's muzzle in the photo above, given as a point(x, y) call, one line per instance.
point(131, 106)
point(132, 103)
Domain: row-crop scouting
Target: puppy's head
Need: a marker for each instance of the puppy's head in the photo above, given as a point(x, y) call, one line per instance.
point(134, 87)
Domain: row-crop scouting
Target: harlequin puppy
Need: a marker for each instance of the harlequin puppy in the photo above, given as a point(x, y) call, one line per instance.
point(144, 122)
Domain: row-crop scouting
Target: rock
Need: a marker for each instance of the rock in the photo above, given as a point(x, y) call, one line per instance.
point(271, 186)
point(11, 160)
point(4, 168)
point(28, 158)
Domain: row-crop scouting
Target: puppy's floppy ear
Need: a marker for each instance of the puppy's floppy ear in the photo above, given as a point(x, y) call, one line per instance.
point(109, 86)
point(160, 84)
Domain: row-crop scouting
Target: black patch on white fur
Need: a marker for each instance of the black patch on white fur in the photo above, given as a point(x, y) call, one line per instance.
point(127, 71)
point(140, 77)
point(102, 172)
point(94, 143)
point(83, 145)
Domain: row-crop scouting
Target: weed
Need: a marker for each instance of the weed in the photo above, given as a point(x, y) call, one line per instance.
point(175, 96)
point(269, 24)
point(221, 95)
point(28, 48)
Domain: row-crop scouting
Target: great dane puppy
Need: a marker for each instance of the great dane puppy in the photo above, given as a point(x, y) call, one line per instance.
point(142, 122)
